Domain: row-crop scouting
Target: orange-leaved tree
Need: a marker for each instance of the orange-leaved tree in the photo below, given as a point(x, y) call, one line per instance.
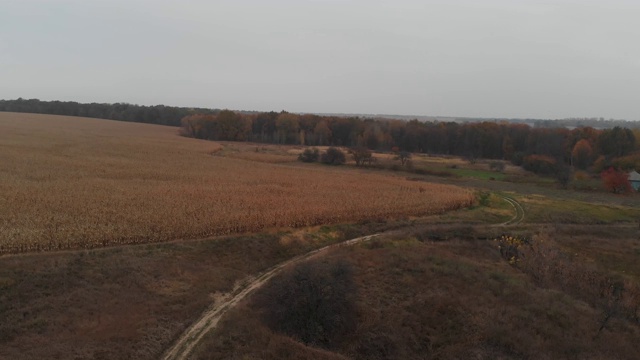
point(582, 154)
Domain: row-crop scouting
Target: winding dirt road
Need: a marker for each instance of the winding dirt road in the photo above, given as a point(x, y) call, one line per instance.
point(519, 211)
point(210, 318)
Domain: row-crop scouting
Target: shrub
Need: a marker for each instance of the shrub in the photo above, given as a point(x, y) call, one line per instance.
point(333, 156)
point(616, 181)
point(497, 166)
point(511, 248)
point(540, 164)
point(549, 266)
point(582, 175)
point(403, 156)
point(601, 164)
point(309, 155)
point(564, 174)
point(484, 198)
point(409, 166)
point(517, 158)
point(362, 156)
point(627, 163)
point(314, 303)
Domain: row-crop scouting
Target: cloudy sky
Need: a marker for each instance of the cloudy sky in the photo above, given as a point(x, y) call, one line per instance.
point(474, 58)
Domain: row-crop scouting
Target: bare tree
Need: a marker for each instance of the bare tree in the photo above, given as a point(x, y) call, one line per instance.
point(361, 155)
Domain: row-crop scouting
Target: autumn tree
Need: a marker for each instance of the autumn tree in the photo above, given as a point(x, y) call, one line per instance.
point(404, 157)
point(564, 175)
point(636, 135)
point(627, 163)
point(199, 126)
point(314, 302)
point(582, 154)
point(361, 155)
point(343, 130)
point(307, 123)
point(507, 147)
point(309, 155)
point(616, 142)
point(191, 126)
point(616, 181)
point(373, 137)
point(264, 126)
point(548, 142)
point(322, 133)
point(333, 156)
point(287, 127)
point(231, 126)
point(540, 164)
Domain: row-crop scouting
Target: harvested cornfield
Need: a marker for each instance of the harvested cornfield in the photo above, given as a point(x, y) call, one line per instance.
point(70, 183)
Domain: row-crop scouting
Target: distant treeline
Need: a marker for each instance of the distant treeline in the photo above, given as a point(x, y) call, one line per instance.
point(543, 148)
point(547, 148)
point(158, 114)
point(598, 123)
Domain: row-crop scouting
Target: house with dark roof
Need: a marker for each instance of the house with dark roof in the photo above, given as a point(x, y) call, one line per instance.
point(634, 179)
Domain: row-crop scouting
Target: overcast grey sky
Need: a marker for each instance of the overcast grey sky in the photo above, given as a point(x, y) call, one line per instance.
point(493, 58)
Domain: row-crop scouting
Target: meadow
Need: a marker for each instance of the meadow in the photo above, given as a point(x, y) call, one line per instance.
point(79, 183)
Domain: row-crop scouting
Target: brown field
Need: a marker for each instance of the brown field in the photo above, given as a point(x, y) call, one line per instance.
point(68, 182)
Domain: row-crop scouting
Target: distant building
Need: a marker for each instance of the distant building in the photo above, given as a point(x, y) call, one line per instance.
point(634, 179)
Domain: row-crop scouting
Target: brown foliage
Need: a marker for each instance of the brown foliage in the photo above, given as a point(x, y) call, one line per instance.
point(582, 154)
point(551, 267)
point(362, 156)
point(540, 164)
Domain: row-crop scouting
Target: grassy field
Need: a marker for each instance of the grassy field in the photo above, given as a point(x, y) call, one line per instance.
point(131, 302)
point(545, 209)
point(70, 183)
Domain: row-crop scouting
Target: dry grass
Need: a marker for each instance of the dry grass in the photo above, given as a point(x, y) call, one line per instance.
point(128, 302)
point(266, 153)
point(70, 182)
point(445, 300)
point(264, 157)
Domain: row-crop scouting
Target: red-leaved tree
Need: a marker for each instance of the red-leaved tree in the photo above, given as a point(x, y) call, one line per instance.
point(616, 181)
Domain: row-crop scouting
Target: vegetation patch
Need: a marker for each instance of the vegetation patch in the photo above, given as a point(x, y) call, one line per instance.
point(541, 209)
point(479, 174)
point(130, 301)
point(441, 300)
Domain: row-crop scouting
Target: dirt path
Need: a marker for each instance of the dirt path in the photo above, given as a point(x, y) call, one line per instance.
point(519, 211)
point(210, 318)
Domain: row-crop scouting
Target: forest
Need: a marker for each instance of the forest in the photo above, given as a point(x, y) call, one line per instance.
point(157, 114)
point(542, 150)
